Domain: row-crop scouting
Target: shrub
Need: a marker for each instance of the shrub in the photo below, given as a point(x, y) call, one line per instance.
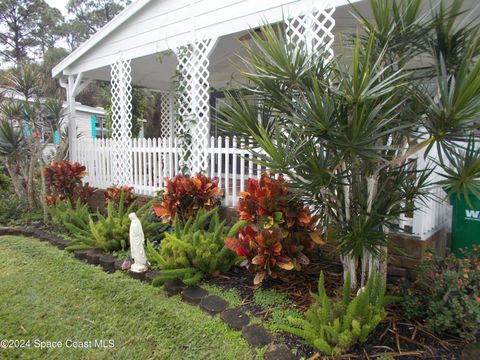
point(280, 230)
point(111, 232)
point(195, 249)
point(12, 208)
point(64, 182)
point(184, 196)
point(114, 193)
point(5, 183)
point(332, 327)
point(446, 294)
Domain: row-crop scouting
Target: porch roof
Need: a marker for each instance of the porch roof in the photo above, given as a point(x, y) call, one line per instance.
point(148, 27)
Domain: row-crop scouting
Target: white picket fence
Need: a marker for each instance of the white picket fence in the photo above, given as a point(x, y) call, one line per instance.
point(157, 159)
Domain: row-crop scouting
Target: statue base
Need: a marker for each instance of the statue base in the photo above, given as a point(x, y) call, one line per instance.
point(137, 268)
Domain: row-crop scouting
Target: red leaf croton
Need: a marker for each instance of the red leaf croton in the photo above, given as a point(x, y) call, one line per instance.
point(280, 230)
point(183, 196)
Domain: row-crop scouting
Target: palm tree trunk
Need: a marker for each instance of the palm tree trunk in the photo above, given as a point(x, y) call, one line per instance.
point(349, 263)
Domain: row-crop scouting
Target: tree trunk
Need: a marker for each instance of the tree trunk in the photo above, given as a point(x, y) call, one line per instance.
point(350, 265)
point(16, 182)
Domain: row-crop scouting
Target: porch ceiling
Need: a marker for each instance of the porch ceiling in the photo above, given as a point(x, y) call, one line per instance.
point(157, 71)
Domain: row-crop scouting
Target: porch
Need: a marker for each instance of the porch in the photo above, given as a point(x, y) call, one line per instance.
point(185, 50)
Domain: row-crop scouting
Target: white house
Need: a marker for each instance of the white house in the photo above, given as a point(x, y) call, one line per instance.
point(151, 41)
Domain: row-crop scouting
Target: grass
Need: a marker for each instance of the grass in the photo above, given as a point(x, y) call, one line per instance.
point(230, 295)
point(47, 295)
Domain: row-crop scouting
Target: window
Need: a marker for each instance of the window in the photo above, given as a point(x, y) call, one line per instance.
point(99, 127)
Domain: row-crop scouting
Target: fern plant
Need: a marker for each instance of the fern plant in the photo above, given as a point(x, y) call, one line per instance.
point(110, 232)
point(196, 249)
point(332, 327)
point(73, 219)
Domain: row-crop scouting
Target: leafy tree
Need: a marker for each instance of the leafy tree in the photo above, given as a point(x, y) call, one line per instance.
point(345, 135)
point(51, 29)
point(89, 17)
point(51, 58)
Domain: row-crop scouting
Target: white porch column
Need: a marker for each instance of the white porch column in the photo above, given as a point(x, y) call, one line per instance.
point(193, 128)
point(72, 124)
point(121, 122)
point(73, 87)
point(312, 28)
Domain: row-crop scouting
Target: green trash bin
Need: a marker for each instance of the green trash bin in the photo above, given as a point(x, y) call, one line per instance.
point(465, 223)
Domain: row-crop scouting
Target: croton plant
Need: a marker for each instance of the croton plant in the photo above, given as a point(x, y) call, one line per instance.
point(114, 194)
point(183, 196)
point(64, 182)
point(280, 230)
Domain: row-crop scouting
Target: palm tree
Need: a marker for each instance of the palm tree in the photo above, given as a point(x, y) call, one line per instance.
point(345, 135)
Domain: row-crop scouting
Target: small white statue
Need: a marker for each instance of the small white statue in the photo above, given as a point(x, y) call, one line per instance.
point(137, 245)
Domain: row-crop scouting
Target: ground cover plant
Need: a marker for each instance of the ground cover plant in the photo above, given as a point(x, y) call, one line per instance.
point(183, 196)
point(280, 230)
point(194, 249)
point(446, 294)
point(278, 306)
point(95, 305)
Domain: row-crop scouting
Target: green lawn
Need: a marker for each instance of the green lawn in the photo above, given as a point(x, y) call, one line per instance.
point(47, 295)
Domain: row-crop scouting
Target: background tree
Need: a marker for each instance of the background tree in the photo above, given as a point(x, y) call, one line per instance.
point(51, 29)
point(27, 25)
point(89, 17)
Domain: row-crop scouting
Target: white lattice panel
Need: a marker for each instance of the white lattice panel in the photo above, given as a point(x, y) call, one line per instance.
point(121, 91)
point(166, 114)
point(312, 29)
point(194, 102)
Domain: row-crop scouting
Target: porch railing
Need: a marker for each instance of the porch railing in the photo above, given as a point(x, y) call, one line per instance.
point(157, 159)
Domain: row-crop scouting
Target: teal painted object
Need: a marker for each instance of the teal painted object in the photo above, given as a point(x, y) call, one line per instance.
point(94, 126)
point(56, 137)
point(465, 223)
point(26, 130)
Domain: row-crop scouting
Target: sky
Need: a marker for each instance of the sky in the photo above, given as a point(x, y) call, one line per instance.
point(59, 4)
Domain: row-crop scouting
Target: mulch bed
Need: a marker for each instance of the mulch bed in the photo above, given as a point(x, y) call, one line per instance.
point(395, 336)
